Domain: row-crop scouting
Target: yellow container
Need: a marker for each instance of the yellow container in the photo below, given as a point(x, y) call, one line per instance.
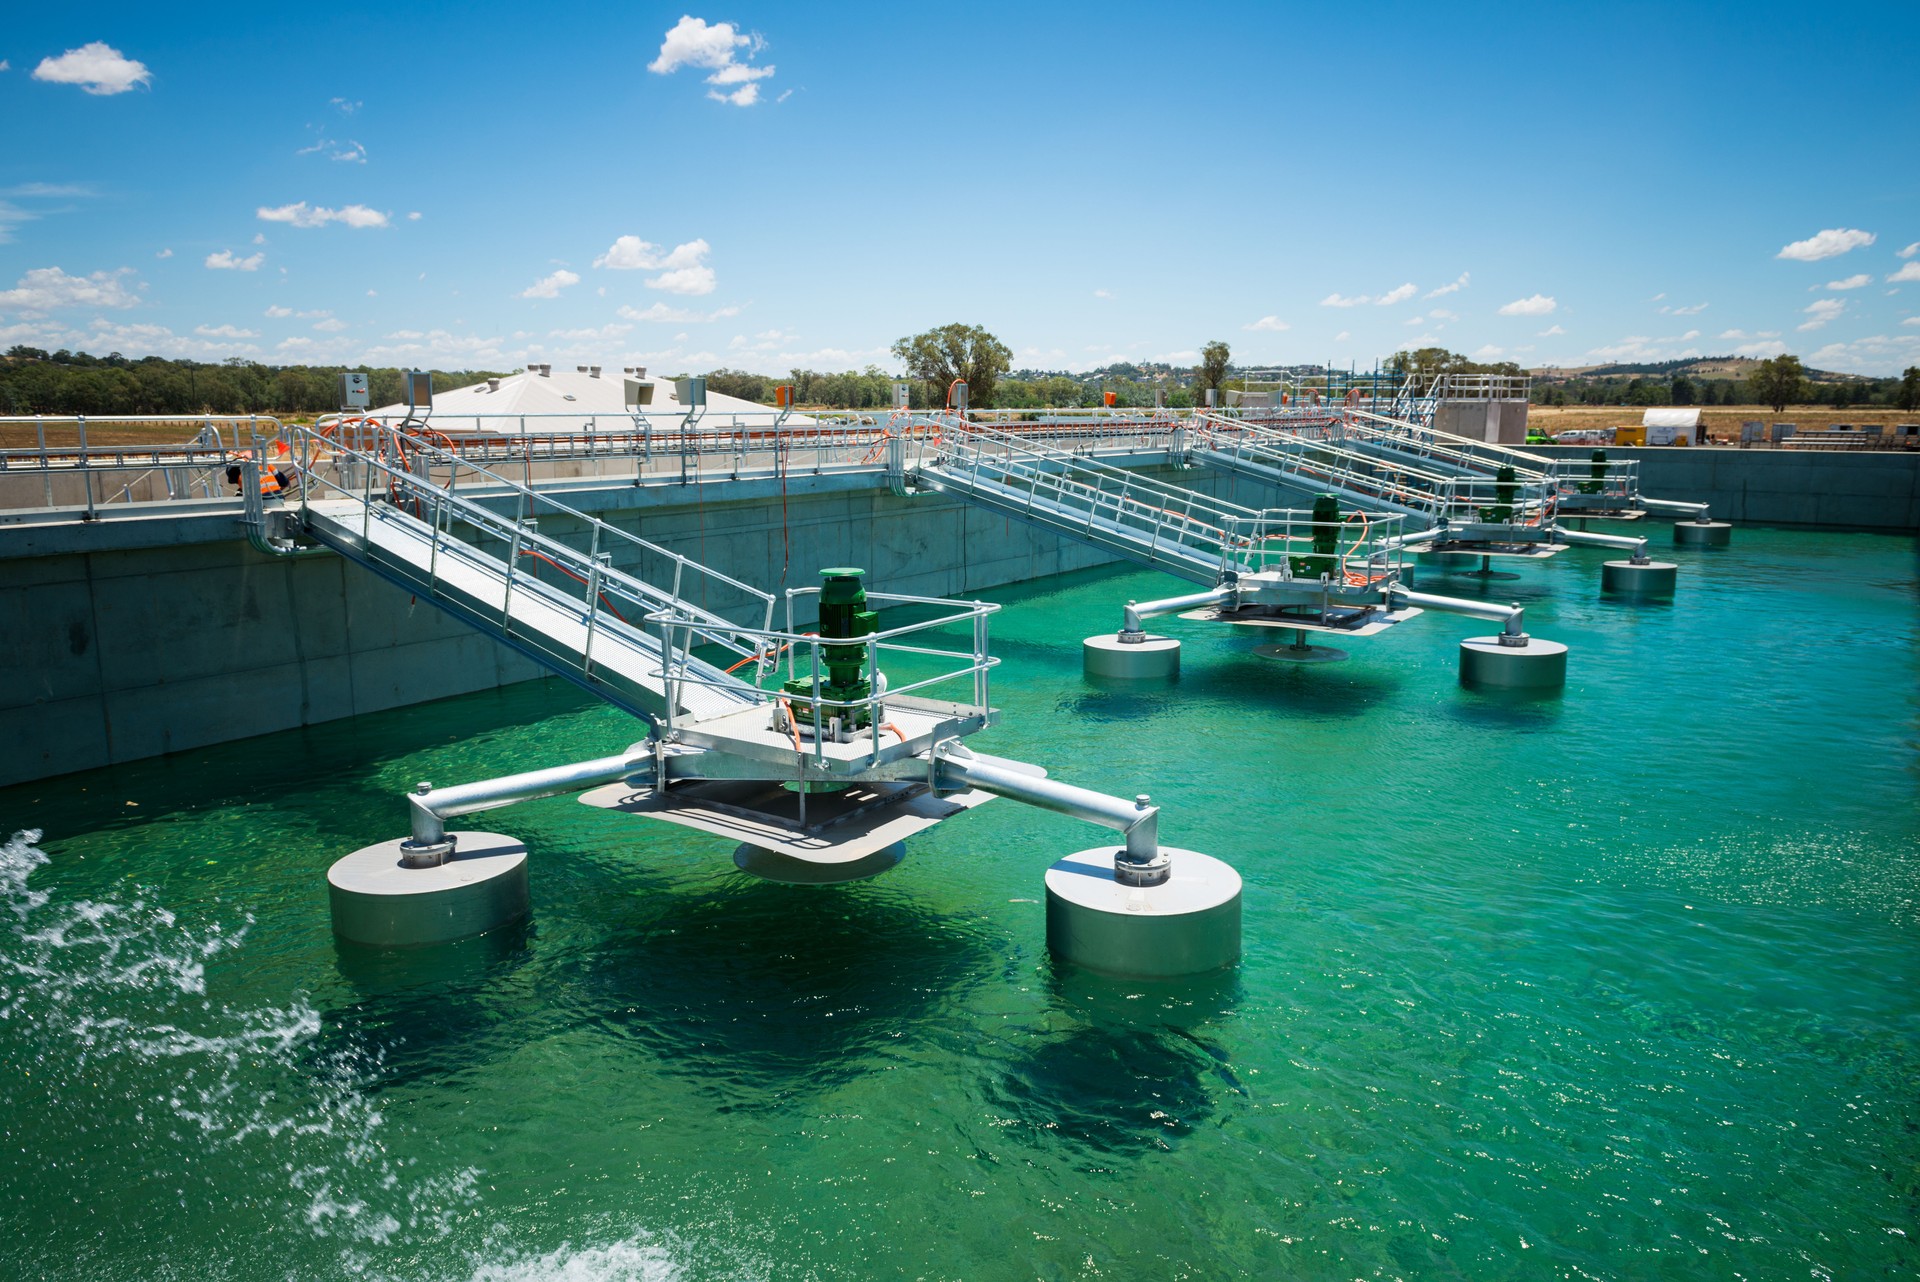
point(1635, 435)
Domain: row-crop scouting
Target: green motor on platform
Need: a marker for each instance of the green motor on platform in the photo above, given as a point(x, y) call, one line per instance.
point(1597, 468)
point(1505, 488)
point(1326, 540)
point(843, 617)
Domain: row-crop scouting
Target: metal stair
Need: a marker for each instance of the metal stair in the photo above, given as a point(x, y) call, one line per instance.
point(568, 609)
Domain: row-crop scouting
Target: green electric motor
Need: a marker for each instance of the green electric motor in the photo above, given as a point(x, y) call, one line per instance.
point(1505, 486)
point(1598, 470)
point(1326, 540)
point(843, 616)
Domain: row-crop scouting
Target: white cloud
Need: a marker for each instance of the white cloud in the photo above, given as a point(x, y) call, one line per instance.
point(165, 253)
point(1268, 325)
point(277, 311)
point(46, 289)
point(303, 215)
point(629, 253)
point(1827, 244)
point(1400, 295)
point(693, 42)
point(1488, 351)
point(5, 65)
point(414, 216)
point(331, 325)
point(1851, 282)
point(1103, 293)
point(1909, 251)
point(1442, 314)
point(550, 286)
point(1551, 331)
point(1339, 300)
point(1765, 347)
point(225, 261)
point(1911, 320)
point(1637, 347)
point(260, 238)
point(677, 315)
point(1454, 288)
point(682, 270)
point(1343, 336)
point(98, 68)
point(605, 334)
point(224, 331)
point(1881, 354)
point(1908, 271)
point(1822, 311)
point(1693, 310)
point(1743, 334)
point(1657, 297)
point(1538, 305)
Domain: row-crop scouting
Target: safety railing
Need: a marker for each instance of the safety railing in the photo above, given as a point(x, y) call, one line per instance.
point(1369, 479)
point(387, 479)
point(1143, 518)
point(1481, 387)
point(805, 660)
point(1364, 547)
point(67, 465)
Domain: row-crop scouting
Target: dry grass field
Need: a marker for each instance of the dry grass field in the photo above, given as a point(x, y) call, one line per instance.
point(1723, 421)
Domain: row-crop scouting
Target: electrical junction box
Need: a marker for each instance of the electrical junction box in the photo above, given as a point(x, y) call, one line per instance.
point(354, 392)
point(419, 389)
point(902, 395)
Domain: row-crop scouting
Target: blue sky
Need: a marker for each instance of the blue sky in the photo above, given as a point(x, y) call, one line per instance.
point(488, 184)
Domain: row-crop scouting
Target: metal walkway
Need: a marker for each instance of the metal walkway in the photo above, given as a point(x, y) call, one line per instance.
point(1429, 490)
point(570, 610)
point(1146, 521)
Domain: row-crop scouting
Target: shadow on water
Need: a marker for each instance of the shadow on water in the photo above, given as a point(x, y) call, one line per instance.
point(759, 992)
point(1319, 690)
point(1139, 1074)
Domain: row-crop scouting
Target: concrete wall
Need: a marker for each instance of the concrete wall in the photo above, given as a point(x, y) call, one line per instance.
point(130, 638)
point(1865, 490)
point(1499, 422)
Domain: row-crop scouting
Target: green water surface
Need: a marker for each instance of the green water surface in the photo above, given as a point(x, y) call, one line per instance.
point(1623, 984)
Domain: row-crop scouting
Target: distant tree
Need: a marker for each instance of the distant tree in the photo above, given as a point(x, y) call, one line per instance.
point(1683, 393)
point(1778, 382)
point(965, 352)
point(1211, 373)
point(1908, 397)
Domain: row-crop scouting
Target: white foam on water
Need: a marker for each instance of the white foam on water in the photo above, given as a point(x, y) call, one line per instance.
point(640, 1258)
point(105, 984)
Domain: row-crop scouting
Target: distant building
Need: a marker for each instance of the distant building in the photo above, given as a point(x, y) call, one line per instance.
point(585, 398)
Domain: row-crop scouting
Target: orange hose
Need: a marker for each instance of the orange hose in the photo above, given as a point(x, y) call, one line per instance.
point(793, 727)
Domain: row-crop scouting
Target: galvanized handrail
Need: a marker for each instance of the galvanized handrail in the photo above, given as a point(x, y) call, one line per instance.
point(438, 507)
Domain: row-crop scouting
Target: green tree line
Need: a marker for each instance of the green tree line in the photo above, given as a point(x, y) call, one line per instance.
point(33, 381)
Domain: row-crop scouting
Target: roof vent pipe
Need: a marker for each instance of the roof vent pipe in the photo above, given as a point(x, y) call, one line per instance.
point(593, 371)
point(579, 369)
point(493, 385)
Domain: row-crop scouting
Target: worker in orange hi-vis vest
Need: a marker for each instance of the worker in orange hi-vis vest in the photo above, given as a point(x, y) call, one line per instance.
point(273, 481)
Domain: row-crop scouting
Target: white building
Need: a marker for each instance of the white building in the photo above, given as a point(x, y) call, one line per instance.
point(547, 398)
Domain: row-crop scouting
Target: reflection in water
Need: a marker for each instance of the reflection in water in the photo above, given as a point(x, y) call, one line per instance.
point(759, 991)
point(1142, 1068)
